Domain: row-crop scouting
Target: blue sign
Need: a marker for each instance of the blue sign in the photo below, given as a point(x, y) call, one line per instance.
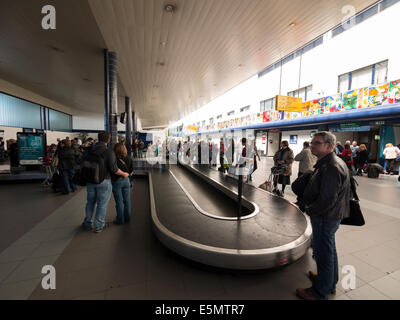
point(293, 139)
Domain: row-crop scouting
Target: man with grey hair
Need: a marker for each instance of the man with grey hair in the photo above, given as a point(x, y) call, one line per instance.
point(326, 198)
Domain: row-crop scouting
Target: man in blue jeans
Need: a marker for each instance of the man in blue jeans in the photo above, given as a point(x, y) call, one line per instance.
point(326, 198)
point(100, 193)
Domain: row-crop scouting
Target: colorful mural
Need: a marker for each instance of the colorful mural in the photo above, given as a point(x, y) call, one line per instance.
point(394, 92)
point(388, 93)
point(378, 95)
point(350, 99)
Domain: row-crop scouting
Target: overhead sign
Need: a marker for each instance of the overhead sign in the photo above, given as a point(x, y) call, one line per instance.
point(193, 128)
point(293, 139)
point(286, 103)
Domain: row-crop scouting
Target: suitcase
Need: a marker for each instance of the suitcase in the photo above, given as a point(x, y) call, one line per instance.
point(57, 183)
point(374, 170)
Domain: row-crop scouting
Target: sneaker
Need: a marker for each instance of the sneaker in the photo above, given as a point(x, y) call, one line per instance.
point(85, 227)
point(306, 294)
point(106, 225)
point(275, 191)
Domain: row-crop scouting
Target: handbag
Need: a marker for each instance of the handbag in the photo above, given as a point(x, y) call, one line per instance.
point(356, 217)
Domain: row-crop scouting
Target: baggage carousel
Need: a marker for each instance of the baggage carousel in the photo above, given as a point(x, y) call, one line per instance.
point(194, 213)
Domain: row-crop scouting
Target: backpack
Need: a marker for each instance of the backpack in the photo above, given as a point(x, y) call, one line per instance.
point(93, 169)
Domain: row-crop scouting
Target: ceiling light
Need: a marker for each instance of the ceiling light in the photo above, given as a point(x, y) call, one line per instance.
point(292, 25)
point(169, 8)
point(161, 64)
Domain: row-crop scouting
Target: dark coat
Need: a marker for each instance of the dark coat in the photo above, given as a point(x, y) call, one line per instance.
point(328, 192)
point(66, 158)
point(288, 157)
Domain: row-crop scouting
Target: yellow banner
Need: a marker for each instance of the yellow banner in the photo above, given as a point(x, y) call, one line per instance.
point(285, 103)
point(193, 128)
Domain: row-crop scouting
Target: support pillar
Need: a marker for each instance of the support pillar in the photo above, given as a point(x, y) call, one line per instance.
point(106, 91)
point(128, 125)
point(113, 106)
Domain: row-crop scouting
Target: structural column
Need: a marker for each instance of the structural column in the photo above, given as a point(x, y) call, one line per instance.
point(106, 91)
point(128, 125)
point(113, 102)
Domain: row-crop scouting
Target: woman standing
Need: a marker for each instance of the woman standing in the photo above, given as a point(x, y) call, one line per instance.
point(391, 153)
point(256, 155)
point(284, 158)
point(122, 186)
point(362, 158)
point(66, 165)
point(347, 156)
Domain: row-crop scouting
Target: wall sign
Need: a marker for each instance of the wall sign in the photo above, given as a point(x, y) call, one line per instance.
point(293, 139)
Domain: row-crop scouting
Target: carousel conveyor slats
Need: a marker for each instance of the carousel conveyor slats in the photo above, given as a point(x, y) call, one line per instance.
point(277, 233)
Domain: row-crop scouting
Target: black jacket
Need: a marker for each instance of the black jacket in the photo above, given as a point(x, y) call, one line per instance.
point(328, 192)
point(126, 165)
point(66, 158)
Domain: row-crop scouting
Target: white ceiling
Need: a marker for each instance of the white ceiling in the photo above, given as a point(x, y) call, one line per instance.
point(207, 47)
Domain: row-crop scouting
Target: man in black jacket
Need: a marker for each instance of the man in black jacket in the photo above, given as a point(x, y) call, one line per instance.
point(326, 198)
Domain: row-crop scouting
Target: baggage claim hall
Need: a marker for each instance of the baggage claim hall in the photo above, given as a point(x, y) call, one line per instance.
point(150, 149)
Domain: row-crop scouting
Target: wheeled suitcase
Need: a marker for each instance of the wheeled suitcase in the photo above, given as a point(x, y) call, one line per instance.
point(57, 182)
point(373, 170)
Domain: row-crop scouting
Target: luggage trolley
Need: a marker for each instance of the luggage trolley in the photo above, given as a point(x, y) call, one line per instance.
point(275, 172)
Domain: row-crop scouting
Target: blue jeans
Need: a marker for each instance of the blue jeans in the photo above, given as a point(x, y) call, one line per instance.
point(98, 194)
point(325, 254)
point(122, 195)
point(66, 176)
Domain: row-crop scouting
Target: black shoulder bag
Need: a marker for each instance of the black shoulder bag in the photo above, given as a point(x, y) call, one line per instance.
point(356, 217)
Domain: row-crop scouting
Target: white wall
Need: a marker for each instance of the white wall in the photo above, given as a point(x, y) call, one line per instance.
point(369, 42)
point(302, 136)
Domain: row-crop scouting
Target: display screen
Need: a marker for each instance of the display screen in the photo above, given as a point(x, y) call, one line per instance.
point(31, 148)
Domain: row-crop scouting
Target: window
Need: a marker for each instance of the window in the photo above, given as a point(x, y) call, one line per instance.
point(267, 105)
point(304, 93)
point(59, 121)
point(16, 112)
point(344, 81)
point(351, 22)
point(246, 108)
point(380, 72)
point(387, 3)
point(364, 77)
point(231, 113)
point(211, 121)
point(203, 123)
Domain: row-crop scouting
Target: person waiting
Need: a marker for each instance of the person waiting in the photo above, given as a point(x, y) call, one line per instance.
point(66, 165)
point(306, 159)
point(283, 158)
point(391, 153)
point(121, 186)
point(100, 193)
point(347, 156)
point(361, 159)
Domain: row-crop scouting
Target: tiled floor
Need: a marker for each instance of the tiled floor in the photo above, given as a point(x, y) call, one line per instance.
point(128, 262)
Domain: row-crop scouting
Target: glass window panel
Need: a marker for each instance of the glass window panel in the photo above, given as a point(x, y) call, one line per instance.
point(387, 3)
point(361, 78)
point(343, 83)
point(59, 121)
point(15, 112)
point(381, 70)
